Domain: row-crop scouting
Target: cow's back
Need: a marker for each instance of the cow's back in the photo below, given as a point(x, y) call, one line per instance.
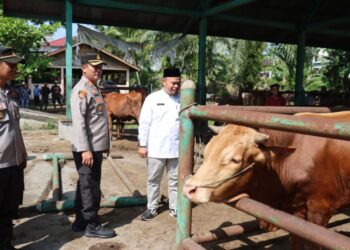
point(314, 171)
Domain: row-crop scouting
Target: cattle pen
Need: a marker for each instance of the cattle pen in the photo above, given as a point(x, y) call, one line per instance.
point(257, 117)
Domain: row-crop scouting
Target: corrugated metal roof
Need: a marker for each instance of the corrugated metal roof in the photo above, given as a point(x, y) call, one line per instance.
point(326, 21)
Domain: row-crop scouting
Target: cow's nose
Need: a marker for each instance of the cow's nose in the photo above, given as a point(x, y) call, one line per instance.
point(189, 190)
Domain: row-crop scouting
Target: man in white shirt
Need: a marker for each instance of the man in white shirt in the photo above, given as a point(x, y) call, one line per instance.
point(159, 140)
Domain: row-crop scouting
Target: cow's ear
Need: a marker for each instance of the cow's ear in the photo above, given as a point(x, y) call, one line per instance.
point(216, 129)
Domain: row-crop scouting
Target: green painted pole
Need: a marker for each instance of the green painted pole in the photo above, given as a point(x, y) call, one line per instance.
point(299, 89)
point(202, 60)
point(56, 179)
point(69, 55)
point(112, 202)
point(186, 149)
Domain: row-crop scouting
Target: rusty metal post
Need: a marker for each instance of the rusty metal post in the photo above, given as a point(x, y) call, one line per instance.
point(226, 232)
point(304, 125)
point(186, 149)
point(284, 109)
point(295, 225)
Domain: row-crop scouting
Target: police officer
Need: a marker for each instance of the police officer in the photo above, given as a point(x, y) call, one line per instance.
point(90, 140)
point(13, 155)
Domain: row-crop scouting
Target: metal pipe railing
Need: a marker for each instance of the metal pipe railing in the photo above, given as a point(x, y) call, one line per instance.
point(186, 150)
point(295, 225)
point(304, 125)
point(226, 232)
point(283, 109)
point(112, 202)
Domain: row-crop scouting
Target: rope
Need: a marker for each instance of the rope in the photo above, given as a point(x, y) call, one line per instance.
point(187, 107)
point(215, 184)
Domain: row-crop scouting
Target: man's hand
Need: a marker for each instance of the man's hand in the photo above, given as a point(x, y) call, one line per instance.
point(143, 152)
point(24, 163)
point(107, 152)
point(87, 158)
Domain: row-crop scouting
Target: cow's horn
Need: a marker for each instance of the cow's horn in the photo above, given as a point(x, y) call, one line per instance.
point(260, 138)
point(215, 129)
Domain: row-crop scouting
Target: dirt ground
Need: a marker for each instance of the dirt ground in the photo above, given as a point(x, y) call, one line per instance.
point(51, 231)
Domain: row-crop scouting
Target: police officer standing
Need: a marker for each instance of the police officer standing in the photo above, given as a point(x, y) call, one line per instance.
point(90, 140)
point(13, 155)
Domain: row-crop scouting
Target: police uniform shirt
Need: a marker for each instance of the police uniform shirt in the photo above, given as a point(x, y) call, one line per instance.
point(89, 118)
point(12, 149)
point(159, 125)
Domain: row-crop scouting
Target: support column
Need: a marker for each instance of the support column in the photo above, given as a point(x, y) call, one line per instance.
point(299, 88)
point(127, 78)
point(186, 151)
point(69, 56)
point(201, 60)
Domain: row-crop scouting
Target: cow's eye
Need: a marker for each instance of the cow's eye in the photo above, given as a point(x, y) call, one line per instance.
point(236, 160)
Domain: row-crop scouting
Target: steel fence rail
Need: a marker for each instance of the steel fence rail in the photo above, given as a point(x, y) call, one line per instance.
point(304, 125)
point(295, 225)
point(283, 109)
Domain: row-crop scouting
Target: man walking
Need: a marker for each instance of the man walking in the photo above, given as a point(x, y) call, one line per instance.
point(13, 155)
point(90, 140)
point(159, 141)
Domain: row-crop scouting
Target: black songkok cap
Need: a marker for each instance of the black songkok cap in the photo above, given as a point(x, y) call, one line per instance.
point(171, 72)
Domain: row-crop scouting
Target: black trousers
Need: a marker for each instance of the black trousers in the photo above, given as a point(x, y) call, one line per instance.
point(88, 194)
point(11, 194)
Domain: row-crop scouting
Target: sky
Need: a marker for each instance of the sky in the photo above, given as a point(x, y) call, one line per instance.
point(61, 32)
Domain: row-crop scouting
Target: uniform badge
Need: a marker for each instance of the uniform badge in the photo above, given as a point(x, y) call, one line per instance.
point(99, 100)
point(82, 94)
point(99, 108)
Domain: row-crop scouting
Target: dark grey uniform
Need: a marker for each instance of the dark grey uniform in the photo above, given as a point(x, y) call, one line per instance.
point(90, 133)
point(12, 157)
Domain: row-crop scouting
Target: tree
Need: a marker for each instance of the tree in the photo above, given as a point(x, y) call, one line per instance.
point(337, 68)
point(285, 60)
point(248, 62)
point(26, 36)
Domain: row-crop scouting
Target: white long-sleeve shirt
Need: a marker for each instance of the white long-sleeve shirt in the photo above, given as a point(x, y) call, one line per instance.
point(159, 125)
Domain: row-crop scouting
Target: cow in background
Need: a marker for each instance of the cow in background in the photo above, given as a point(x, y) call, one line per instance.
point(123, 107)
point(304, 175)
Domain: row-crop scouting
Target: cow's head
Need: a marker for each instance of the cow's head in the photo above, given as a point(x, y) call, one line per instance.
point(227, 167)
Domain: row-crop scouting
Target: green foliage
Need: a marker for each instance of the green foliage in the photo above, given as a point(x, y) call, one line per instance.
point(337, 68)
point(26, 36)
point(228, 61)
point(248, 63)
point(284, 57)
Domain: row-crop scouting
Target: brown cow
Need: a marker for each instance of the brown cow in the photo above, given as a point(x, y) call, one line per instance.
point(306, 176)
point(123, 107)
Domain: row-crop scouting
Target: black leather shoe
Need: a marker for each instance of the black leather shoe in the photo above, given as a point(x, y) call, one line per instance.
point(99, 231)
point(79, 226)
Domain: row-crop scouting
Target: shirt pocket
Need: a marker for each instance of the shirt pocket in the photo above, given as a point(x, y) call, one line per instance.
point(99, 105)
point(4, 115)
point(159, 111)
